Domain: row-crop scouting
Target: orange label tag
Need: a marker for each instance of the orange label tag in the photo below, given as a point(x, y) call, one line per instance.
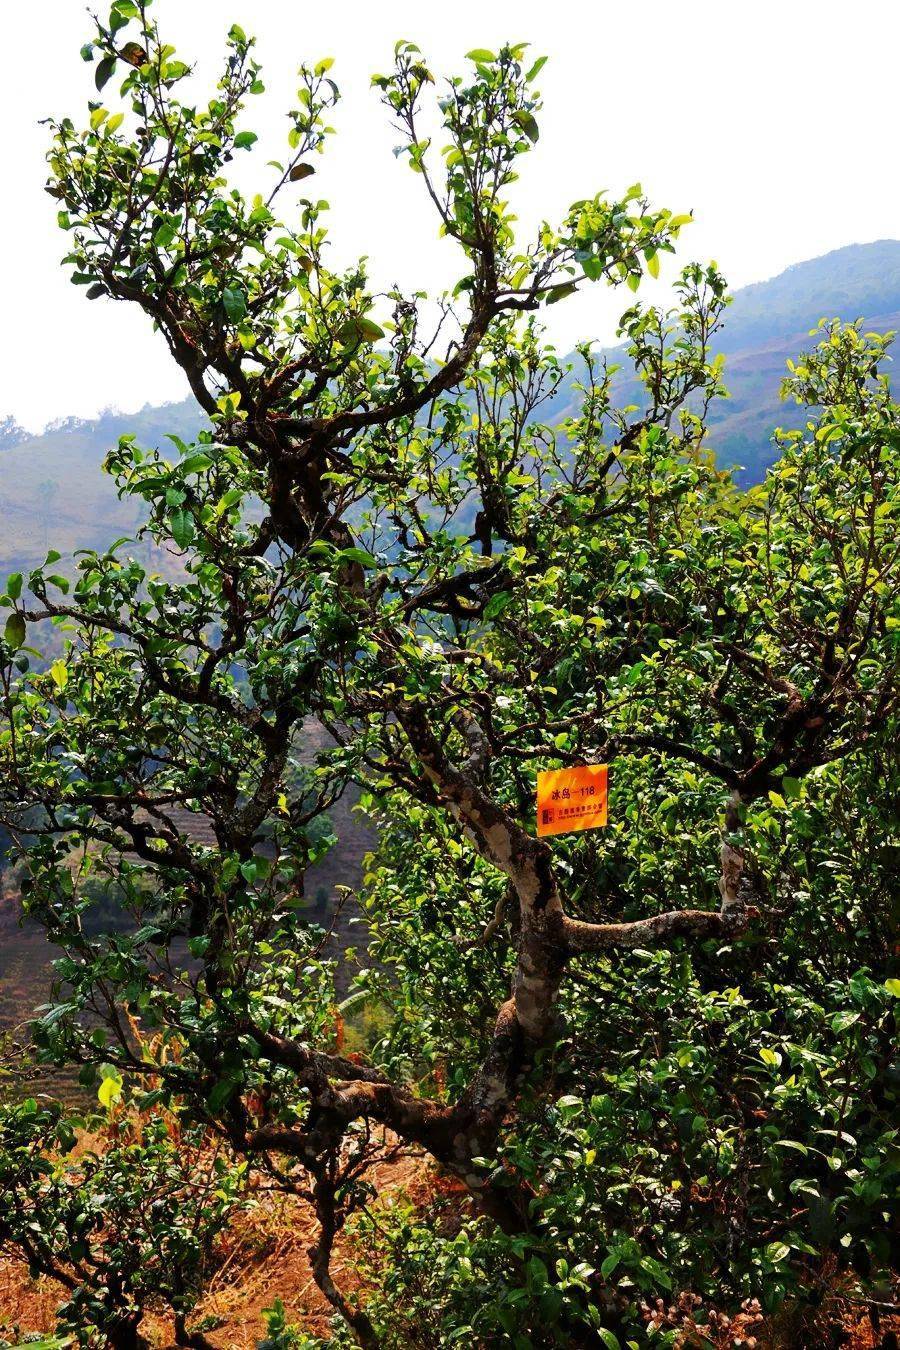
point(571, 799)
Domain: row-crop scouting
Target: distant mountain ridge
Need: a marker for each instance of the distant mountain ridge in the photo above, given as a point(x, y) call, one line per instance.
point(858, 281)
point(768, 323)
point(52, 490)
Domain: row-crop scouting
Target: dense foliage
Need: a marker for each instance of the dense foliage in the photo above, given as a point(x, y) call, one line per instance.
point(656, 1060)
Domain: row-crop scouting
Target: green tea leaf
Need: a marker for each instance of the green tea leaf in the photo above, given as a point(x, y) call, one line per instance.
point(14, 631)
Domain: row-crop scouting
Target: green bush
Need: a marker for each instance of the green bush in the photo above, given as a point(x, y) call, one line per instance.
point(125, 1226)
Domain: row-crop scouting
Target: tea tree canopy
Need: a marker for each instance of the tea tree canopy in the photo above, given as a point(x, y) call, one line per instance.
point(410, 521)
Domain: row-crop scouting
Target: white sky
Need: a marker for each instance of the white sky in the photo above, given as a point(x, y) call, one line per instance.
point(774, 122)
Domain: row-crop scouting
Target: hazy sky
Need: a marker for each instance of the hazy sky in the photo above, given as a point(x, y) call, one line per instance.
point(775, 123)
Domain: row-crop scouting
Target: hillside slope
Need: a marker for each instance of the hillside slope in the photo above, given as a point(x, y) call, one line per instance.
point(52, 490)
point(860, 280)
point(765, 326)
point(769, 323)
